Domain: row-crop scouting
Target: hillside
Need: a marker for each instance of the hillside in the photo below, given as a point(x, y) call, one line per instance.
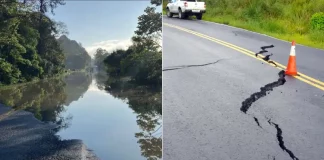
point(283, 19)
point(76, 57)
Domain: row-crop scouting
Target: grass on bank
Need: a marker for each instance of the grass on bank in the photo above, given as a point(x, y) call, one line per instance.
point(299, 20)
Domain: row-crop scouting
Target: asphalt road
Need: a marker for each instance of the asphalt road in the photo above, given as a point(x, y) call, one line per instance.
point(219, 103)
point(23, 137)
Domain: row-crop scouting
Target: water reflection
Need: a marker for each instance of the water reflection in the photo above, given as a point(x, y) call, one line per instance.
point(46, 99)
point(146, 102)
point(58, 100)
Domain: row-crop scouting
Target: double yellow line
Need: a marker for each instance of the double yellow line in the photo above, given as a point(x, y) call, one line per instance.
point(307, 79)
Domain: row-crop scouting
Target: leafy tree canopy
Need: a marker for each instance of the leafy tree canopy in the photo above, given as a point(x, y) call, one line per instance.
point(28, 46)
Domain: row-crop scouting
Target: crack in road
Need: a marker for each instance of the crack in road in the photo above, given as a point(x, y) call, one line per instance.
point(267, 57)
point(281, 141)
point(246, 104)
point(264, 49)
point(187, 66)
point(257, 121)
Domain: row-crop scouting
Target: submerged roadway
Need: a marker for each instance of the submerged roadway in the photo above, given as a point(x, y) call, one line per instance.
point(221, 102)
point(23, 137)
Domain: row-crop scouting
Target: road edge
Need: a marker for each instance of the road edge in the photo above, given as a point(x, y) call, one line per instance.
point(163, 16)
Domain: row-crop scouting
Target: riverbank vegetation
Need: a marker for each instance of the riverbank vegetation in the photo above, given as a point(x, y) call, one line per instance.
point(147, 104)
point(60, 76)
point(29, 49)
point(46, 99)
point(142, 61)
point(135, 76)
point(34, 46)
point(300, 20)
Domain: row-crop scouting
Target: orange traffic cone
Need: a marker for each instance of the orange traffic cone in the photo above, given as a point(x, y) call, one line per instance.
point(291, 67)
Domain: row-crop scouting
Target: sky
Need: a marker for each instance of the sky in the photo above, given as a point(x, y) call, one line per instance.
point(102, 23)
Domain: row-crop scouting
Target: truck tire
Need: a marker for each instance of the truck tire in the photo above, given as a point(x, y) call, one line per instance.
point(199, 16)
point(169, 14)
point(181, 14)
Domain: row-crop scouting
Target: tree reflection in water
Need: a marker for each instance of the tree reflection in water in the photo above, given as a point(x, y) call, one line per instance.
point(46, 99)
point(147, 104)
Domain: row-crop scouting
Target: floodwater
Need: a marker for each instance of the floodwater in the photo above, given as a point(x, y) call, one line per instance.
point(115, 119)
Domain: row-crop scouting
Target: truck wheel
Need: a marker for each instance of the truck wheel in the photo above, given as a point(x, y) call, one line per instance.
point(181, 14)
point(169, 14)
point(199, 16)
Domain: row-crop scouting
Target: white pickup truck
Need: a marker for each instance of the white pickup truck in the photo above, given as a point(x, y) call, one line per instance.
point(185, 8)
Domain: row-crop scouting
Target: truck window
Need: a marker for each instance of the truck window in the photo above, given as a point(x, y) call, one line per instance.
point(189, 0)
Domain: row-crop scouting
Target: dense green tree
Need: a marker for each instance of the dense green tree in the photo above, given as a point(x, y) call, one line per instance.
point(9, 42)
point(113, 61)
point(48, 47)
point(149, 30)
point(28, 47)
point(143, 60)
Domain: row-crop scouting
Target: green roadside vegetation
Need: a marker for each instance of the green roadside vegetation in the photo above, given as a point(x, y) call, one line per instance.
point(165, 3)
point(141, 63)
point(30, 47)
point(299, 20)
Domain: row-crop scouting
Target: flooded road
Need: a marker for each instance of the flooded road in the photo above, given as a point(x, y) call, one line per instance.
point(113, 118)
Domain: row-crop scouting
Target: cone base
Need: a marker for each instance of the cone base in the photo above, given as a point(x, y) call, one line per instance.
point(291, 73)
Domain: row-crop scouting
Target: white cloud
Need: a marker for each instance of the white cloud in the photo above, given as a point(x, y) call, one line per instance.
point(109, 45)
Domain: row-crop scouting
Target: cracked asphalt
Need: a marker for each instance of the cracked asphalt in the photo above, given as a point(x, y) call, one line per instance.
point(206, 84)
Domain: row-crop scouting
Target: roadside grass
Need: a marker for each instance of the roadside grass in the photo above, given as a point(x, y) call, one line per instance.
point(286, 19)
point(164, 4)
point(272, 28)
point(164, 12)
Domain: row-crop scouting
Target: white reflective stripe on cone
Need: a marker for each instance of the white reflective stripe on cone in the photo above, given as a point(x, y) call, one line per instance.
point(292, 51)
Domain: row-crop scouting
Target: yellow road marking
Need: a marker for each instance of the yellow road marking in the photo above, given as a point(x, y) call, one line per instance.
point(309, 80)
